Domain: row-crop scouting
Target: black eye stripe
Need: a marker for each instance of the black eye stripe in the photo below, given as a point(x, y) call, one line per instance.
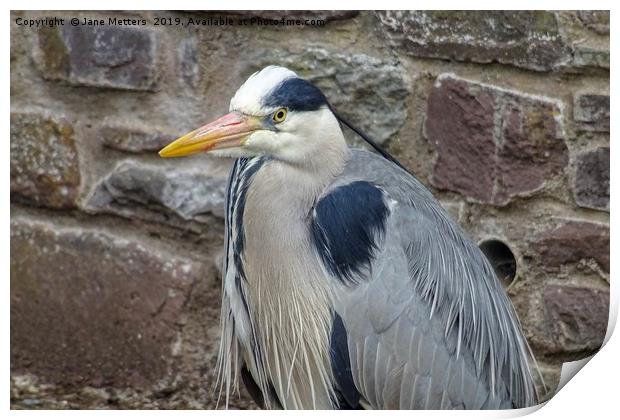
point(296, 95)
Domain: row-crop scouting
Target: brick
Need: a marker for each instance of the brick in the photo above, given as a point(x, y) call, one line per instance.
point(571, 242)
point(191, 190)
point(591, 111)
point(108, 57)
point(464, 143)
point(44, 160)
point(493, 144)
point(526, 39)
point(591, 183)
point(575, 318)
point(92, 308)
point(134, 138)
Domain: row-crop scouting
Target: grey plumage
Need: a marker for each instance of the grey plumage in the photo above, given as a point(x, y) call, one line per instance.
point(443, 335)
point(346, 285)
point(448, 327)
point(461, 324)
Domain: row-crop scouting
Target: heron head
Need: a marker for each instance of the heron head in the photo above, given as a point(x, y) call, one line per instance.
point(273, 113)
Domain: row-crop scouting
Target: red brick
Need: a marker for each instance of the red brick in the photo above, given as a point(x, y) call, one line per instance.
point(591, 183)
point(493, 144)
point(576, 318)
point(572, 242)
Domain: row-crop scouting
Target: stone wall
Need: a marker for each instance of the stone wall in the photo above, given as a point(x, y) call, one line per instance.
point(115, 252)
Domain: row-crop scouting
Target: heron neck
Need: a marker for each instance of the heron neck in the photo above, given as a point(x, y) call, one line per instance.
point(294, 186)
point(287, 291)
point(303, 183)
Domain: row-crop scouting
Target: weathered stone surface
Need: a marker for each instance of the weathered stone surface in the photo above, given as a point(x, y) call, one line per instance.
point(189, 384)
point(576, 318)
point(591, 111)
point(493, 144)
point(91, 308)
point(591, 187)
point(585, 57)
point(454, 209)
point(44, 160)
point(29, 392)
point(134, 138)
point(100, 56)
point(572, 242)
point(378, 88)
point(596, 20)
point(190, 191)
point(551, 379)
point(527, 39)
point(188, 59)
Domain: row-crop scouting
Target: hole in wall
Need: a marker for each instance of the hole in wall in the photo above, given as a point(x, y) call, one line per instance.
point(502, 259)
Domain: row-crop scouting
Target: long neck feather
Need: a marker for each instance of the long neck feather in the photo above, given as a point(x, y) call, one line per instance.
point(287, 305)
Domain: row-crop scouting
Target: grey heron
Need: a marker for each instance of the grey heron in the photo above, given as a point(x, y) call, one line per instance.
point(345, 283)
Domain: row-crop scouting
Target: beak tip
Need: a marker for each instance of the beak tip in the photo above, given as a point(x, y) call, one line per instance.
point(227, 131)
point(165, 152)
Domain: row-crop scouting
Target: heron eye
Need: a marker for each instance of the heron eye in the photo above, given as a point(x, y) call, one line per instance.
point(279, 115)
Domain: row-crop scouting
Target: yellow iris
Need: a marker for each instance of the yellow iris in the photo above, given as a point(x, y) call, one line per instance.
point(279, 116)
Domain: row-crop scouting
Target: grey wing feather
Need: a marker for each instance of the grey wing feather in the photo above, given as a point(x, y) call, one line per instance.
point(428, 325)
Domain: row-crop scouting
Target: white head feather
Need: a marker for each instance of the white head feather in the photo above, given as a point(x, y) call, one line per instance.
point(248, 97)
point(303, 137)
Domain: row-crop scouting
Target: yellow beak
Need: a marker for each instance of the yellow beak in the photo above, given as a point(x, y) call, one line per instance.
point(231, 130)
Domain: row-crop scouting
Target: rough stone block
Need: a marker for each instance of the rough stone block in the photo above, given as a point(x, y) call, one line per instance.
point(493, 144)
point(571, 242)
point(527, 39)
point(188, 59)
point(44, 160)
point(596, 20)
point(576, 318)
point(585, 58)
point(190, 190)
point(100, 56)
point(591, 111)
point(92, 308)
point(378, 88)
point(591, 184)
point(134, 138)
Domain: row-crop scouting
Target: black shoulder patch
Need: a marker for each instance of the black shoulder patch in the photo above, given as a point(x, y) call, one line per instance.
point(348, 395)
point(346, 226)
point(297, 95)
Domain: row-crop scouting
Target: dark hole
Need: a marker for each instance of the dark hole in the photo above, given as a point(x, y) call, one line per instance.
point(502, 259)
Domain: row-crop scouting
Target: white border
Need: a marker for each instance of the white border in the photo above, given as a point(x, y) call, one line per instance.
point(593, 394)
